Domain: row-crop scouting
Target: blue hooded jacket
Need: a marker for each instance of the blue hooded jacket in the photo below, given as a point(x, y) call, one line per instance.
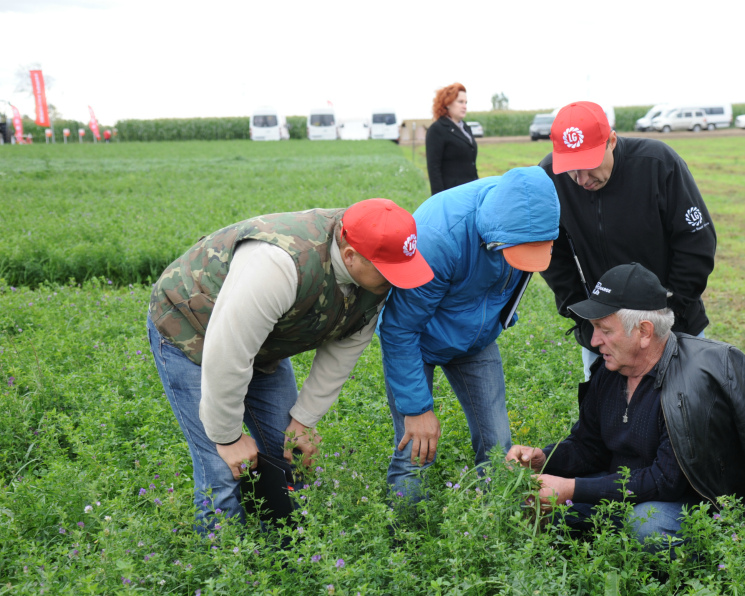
point(457, 313)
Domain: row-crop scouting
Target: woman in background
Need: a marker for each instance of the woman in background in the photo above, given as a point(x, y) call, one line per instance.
point(451, 148)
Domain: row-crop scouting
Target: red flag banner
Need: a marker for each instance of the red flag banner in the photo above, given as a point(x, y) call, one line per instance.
point(40, 98)
point(17, 124)
point(93, 125)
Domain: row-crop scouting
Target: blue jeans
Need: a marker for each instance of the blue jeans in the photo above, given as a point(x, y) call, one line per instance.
point(478, 383)
point(650, 517)
point(267, 403)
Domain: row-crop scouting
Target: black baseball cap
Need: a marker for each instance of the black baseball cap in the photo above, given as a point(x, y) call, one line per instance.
point(625, 286)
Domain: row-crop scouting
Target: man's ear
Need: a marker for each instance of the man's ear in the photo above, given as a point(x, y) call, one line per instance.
point(347, 255)
point(646, 333)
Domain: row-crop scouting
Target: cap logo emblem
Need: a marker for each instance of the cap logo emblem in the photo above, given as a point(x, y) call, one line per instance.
point(694, 217)
point(573, 137)
point(599, 288)
point(410, 246)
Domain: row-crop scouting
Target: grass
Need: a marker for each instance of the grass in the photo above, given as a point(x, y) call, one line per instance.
point(95, 488)
point(125, 210)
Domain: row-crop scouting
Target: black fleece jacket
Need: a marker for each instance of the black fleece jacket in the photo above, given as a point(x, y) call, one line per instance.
point(650, 212)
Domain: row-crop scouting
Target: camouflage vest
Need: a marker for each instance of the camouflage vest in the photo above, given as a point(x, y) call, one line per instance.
point(184, 296)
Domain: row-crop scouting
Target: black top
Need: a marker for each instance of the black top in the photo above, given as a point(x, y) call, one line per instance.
point(451, 157)
point(650, 212)
point(602, 442)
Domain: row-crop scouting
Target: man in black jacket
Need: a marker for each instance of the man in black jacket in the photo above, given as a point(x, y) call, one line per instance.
point(670, 408)
point(623, 200)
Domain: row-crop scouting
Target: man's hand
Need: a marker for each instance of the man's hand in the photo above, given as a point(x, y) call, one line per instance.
point(297, 435)
point(563, 488)
point(527, 456)
point(234, 455)
point(424, 431)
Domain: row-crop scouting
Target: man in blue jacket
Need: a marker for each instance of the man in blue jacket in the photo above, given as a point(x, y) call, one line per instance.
point(478, 238)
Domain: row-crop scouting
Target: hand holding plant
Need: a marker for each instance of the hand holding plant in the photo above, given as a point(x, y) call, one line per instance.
point(245, 450)
point(531, 457)
point(304, 438)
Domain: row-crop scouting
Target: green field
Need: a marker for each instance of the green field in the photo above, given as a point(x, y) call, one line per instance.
point(95, 489)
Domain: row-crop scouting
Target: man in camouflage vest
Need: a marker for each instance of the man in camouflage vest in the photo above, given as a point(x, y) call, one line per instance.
point(227, 315)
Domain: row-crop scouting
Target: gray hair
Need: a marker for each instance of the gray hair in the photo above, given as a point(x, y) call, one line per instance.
point(662, 320)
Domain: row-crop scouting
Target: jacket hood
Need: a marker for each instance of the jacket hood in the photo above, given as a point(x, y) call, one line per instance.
point(521, 207)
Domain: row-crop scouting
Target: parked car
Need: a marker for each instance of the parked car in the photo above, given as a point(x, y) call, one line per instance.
point(476, 129)
point(541, 126)
point(267, 125)
point(645, 122)
point(322, 125)
point(354, 130)
point(680, 119)
point(385, 125)
point(718, 115)
point(740, 121)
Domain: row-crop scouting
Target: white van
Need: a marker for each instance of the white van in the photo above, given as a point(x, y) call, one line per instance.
point(680, 118)
point(385, 125)
point(267, 125)
point(322, 125)
point(645, 122)
point(718, 115)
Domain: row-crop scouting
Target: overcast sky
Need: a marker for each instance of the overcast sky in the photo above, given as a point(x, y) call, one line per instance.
point(163, 58)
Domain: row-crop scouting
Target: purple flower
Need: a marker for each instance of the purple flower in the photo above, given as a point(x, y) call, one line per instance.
point(152, 486)
point(170, 489)
point(211, 535)
point(156, 476)
point(315, 558)
point(716, 516)
point(569, 502)
point(456, 486)
point(300, 529)
point(340, 563)
point(218, 511)
point(721, 566)
point(158, 502)
point(236, 550)
point(198, 593)
point(205, 503)
point(138, 353)
point(143, 492)
point(11, 380)
point(126, 581)
point(305, 512)
point(81, 525)
point(399, 494)
point(62, 530)
point(449, 484)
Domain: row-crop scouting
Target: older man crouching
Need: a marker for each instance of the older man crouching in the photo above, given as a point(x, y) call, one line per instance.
point(669, 407)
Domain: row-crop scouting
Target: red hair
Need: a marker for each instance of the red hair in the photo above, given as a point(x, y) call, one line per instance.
point(444, 97)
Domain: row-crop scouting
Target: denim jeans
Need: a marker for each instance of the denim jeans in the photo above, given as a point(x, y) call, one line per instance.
point(267, 403)
point(650, 517)
point(478, 383)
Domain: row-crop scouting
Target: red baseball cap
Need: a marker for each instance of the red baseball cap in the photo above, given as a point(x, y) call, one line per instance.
point(385, 234)
point(579, 133)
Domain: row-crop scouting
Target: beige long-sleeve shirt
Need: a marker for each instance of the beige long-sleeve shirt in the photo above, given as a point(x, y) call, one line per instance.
point(259, 289)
